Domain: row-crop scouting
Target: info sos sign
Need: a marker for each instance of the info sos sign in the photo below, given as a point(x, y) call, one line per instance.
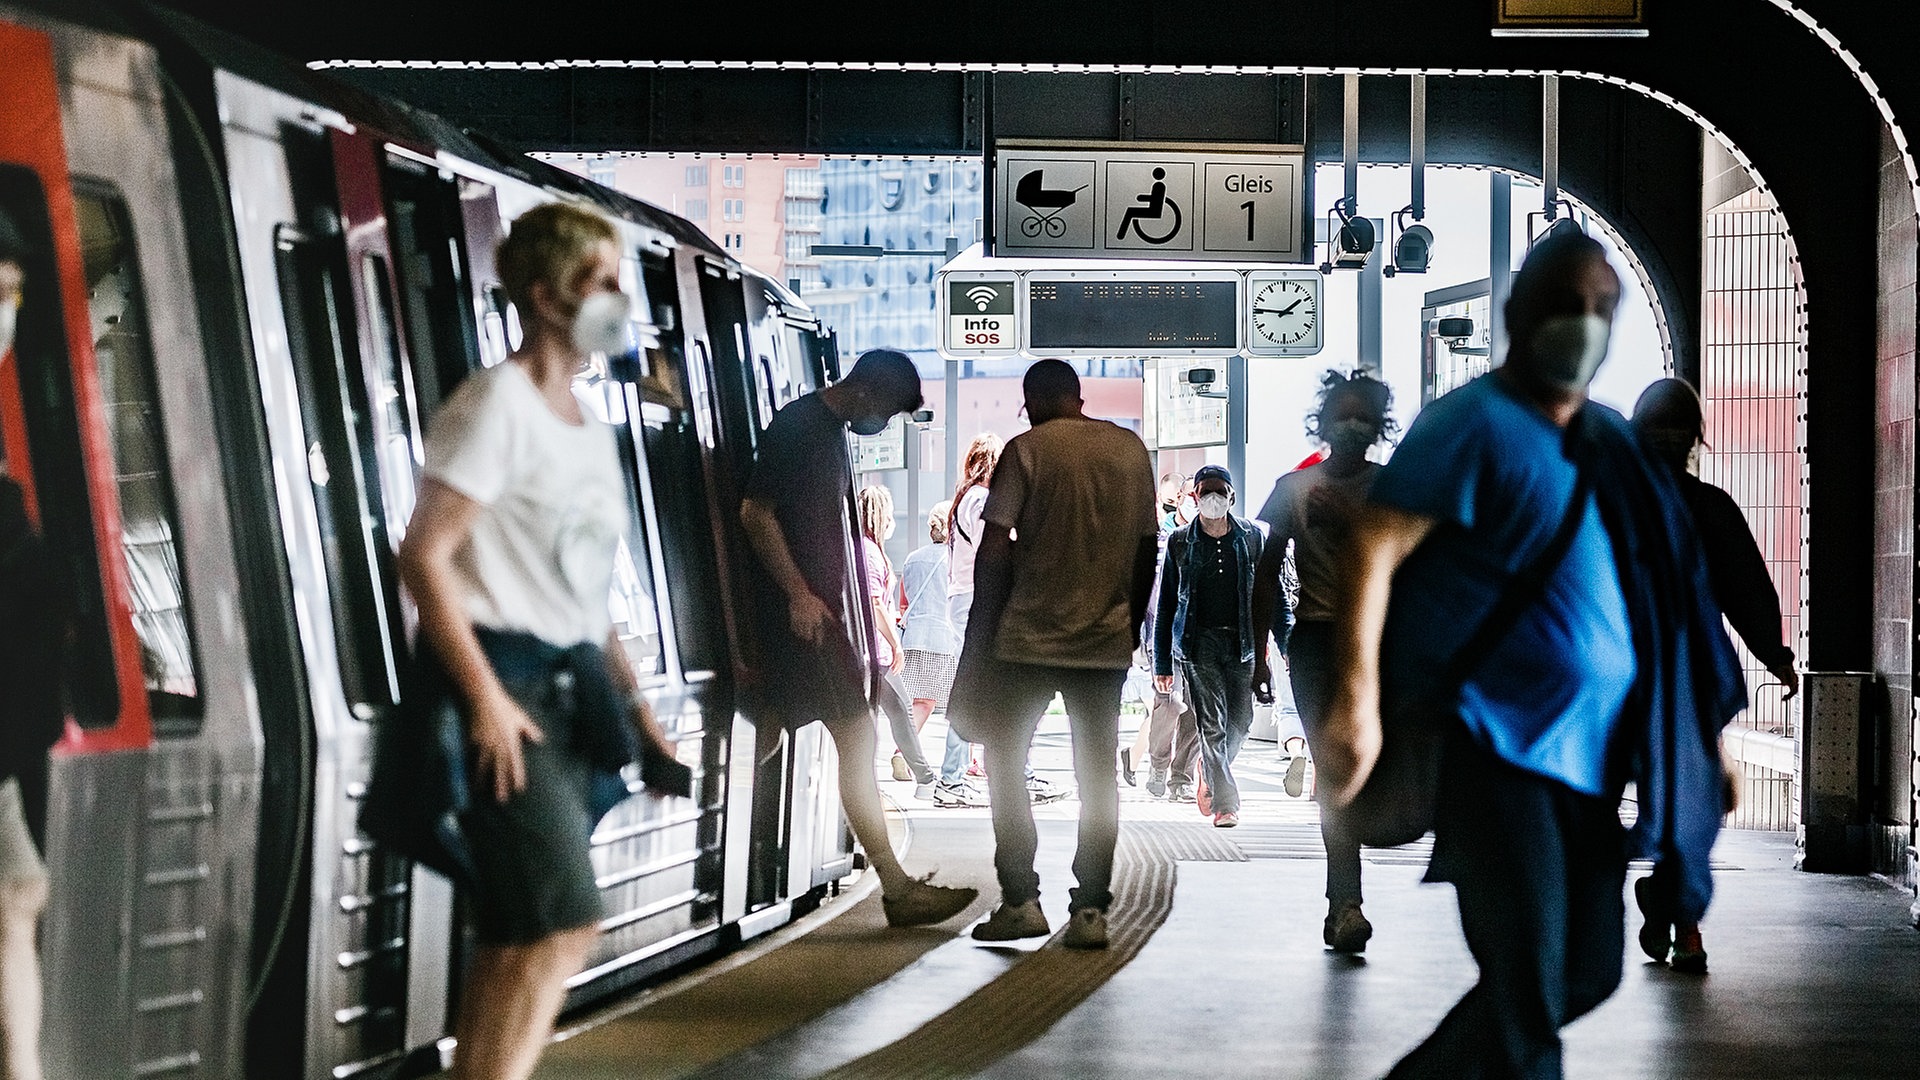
point(979, 311)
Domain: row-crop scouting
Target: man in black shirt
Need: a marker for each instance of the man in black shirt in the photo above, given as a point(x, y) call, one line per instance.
point(795, 517)
point(1205, 623)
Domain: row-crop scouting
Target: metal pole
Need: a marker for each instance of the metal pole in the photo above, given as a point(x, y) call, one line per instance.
point(1550, 143)
point(1371, 329)
point(1419, 147)
point(951, 422)
point(914, 433)
point(1237, 429)
point(1352, 140)
point(1499, 261)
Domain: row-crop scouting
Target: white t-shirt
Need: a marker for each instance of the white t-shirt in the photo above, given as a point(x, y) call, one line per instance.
point(1078, 496)
point(964, 540)
point(540, 557)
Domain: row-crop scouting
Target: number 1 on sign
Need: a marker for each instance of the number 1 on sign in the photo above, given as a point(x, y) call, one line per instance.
point(1248, 207)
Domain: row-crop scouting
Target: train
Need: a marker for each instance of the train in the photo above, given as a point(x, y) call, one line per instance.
point(250, 285)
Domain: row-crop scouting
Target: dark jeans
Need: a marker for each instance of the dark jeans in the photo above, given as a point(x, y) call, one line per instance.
point(1310, 669)
point(1220, 687)
point(1173, 742)
point(895, 702)
point(1093, 710)
point(1539, 870)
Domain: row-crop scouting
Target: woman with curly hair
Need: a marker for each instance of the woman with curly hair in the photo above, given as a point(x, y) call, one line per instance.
point(1314, 509)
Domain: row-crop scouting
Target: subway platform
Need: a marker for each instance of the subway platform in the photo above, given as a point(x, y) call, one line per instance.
point(1217, 969)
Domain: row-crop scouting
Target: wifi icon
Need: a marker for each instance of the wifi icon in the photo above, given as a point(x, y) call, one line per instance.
point(982, 295)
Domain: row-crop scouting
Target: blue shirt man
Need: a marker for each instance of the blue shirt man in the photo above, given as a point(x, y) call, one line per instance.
point(1616, 660)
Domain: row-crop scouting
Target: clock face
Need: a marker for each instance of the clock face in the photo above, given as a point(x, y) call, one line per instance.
point(1285, 313)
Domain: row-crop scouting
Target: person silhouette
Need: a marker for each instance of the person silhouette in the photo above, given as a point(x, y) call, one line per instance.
point(1153, 205)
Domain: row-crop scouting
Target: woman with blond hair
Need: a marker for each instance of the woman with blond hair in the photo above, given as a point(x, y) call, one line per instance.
point(875, 505)
point(509, 556)
point(927, 633)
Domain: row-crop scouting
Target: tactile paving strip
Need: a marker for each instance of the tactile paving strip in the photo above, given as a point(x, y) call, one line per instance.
point(1021, 1005)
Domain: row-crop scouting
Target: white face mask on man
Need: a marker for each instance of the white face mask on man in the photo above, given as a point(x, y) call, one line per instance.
point(1568, 350)
point(1214, 506)
point(600, 326)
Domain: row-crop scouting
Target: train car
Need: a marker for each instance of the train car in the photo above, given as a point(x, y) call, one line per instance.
point(250, 287)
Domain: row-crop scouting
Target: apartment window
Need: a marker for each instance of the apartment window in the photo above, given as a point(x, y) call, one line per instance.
point(695, 210)
point(696, 176)
point(734, 209)
point(733, 176)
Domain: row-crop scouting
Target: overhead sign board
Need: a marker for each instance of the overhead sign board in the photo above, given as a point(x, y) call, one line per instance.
point(1138, 201)
point(1133, 313)
point(1596, 14)
point(977, 314)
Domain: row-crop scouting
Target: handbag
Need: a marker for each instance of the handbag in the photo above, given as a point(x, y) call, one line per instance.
point(1396, 804)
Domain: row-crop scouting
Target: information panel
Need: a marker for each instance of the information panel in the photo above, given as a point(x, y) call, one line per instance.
point(879, 453)
point(1195, 313)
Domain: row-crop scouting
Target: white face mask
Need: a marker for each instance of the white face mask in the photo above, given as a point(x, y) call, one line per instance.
point(600, 326)
point(1214, 506)
point(1568, 349)
point(9, 319)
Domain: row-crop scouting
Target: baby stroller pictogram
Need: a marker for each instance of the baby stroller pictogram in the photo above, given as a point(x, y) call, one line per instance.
point(1046, 205)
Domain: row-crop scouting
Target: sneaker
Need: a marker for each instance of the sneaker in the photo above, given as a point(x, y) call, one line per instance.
point(1157, 781)
point(1225, 819)
point(924, 792)
point(1045, 791)
point(1011, 922)
point(960, 794)
point(1347, 930)
point(922, 903)
point(1689, 952)
point(1180, 793)
point(1656, 934)
point(1202, 797)
point(900, 770)
point(1087, 929)
point(1296, 779)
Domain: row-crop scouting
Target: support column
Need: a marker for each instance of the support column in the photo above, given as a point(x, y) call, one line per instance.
point(1371, 329)
point(1237, 430)
point(1499, 261)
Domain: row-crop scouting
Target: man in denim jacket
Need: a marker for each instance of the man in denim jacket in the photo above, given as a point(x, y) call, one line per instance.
point(1205, 623)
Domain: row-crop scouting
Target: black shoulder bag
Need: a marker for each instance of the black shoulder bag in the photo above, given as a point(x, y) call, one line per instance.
point(1396, 804)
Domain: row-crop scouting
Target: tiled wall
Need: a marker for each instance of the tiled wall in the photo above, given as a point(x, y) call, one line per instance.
point(1894, 541)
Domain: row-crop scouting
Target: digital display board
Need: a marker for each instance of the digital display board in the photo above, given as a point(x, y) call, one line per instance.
point(1138, 315)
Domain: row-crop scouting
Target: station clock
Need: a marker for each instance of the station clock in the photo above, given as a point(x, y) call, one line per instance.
point(1283, 313)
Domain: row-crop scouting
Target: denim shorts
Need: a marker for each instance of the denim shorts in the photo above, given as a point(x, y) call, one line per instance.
point(532, 853)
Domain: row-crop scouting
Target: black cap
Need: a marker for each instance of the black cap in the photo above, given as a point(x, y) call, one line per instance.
point(1212, 472)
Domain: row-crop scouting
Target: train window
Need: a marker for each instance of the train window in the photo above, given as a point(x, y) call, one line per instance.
point(631, 599)
point(149, 522)
point(397, 449)
point(672, 443)
point(53, 442)
point(349, 509)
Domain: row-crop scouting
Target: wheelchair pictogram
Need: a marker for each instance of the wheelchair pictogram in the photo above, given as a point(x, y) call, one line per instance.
point(1046, 204)
point(1154, 205)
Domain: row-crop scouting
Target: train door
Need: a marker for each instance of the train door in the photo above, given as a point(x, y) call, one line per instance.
point(152, 787)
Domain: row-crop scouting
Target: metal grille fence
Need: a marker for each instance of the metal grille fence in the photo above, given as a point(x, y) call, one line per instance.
point(1752, 383)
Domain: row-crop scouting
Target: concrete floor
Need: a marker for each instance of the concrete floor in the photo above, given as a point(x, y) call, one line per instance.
point(1812, 976)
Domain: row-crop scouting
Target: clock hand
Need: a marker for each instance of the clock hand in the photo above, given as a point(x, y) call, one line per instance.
point(1289, 308)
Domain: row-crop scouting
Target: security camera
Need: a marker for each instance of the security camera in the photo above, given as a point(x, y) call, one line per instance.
point(1352, 243)
point(1412, 250)
point(1455, 331)
point(923, 416)
point(1200, 376)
